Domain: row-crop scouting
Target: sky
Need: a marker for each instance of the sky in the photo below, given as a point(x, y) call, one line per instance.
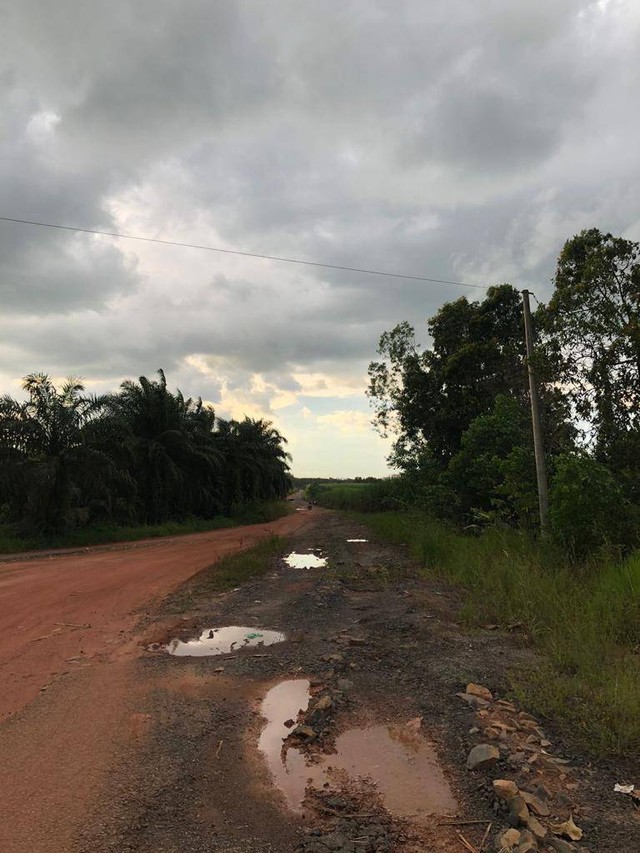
point(449, 139)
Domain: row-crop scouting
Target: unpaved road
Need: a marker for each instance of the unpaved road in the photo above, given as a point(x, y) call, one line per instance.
point(135, 751)
point(66, 677)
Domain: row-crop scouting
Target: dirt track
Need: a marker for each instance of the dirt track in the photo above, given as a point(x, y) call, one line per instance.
point(130, 750)
point(66, 650)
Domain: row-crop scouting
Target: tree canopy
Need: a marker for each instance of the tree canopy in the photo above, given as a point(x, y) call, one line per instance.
point(144, 454)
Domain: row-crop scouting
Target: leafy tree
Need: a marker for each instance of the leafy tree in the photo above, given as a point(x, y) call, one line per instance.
point(429, 399)
point(493, 473)
point(594, 320)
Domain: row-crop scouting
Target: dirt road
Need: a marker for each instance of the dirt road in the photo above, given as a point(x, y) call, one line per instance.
point(132, 750)
point(66, 649)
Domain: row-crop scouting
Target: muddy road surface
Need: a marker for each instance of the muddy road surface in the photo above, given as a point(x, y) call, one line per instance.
point(331, 705)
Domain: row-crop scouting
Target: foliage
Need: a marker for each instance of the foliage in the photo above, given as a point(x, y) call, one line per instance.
point(593, 320)
point(493, 473)
point(587, 509)
point(430, 399)
point(586, 624)
point(143, 455)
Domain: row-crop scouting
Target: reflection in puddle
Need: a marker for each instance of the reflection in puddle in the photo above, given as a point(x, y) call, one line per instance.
point(221, 641)
point(296, 560)
point(357, 540)
point(398, 760)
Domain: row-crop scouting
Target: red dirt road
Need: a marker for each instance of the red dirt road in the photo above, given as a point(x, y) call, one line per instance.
point(69, 701)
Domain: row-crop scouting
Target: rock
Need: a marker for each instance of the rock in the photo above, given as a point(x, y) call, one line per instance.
point(474, 701)
point(289, 723)
point(559, 845)
point(534, 826)
point(518, 811)
point(357, 641)
point(528, 844)
point(474, 730)
point(345, 685)
point(479, 690)
point(535, 803)
point(305, 732)
point(482, 756)
point(505, 789)
point(568, 829)
point(509, 839)
point(324, 703)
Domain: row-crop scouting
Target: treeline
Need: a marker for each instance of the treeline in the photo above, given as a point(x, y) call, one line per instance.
point(460, 408)
point(143, 455)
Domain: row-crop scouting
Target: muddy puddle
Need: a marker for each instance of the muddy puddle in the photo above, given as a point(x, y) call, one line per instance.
point(309, 560)
point(222, 641)
point(396, 758)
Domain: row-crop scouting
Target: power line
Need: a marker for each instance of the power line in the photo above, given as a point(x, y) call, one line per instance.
point(243, 254)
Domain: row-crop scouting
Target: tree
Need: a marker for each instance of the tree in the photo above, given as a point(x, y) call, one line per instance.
point(429, 399)
point(51, 462)
point(168, 447)
point(594, 320)
point(493, 473)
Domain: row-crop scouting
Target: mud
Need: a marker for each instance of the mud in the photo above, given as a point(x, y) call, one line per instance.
point(222, 641)
point(400, 764)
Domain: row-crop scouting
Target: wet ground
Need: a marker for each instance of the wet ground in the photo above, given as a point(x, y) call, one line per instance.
point(347, 736)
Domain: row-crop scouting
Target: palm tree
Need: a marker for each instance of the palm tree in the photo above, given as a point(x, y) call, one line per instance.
point(50, 459)
point(170, 451)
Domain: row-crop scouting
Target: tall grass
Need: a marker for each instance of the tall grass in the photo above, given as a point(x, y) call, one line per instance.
point(585, 622)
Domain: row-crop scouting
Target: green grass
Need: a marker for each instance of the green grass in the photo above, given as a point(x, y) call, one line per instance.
point(103, 534)
point(227, 573)
point(585, 622)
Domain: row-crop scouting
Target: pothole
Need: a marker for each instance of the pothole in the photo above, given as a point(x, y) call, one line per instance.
point(298, 560)
point(222, 641)
point(401, 764)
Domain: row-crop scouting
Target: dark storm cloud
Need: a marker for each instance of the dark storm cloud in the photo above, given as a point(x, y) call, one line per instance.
point(446, 139)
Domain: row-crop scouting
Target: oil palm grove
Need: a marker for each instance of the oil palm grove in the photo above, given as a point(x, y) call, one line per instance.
point(142, 455)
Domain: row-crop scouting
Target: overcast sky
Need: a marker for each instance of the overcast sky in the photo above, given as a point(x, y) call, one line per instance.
point(449, 138)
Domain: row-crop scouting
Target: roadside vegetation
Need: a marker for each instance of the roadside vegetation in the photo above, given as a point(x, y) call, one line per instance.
point(465, 499)
point(78, 469)
point(227, 573)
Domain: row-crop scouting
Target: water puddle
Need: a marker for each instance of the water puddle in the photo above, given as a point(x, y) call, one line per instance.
point(396, 758)
point(357, 540)
point(297, 560)
point(221, 641)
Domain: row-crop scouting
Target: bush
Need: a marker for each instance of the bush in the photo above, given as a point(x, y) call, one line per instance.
point(587, 509)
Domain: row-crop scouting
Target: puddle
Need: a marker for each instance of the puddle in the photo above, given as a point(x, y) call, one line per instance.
point(296, 560)
point(357, 540)
point(221, 641)
point(398, 760)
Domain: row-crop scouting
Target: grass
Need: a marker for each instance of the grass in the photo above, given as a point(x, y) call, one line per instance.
point(585, 622)
point(103, 534)
point(227, 573)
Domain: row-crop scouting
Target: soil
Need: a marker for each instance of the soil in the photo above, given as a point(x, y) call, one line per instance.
point(132, 749)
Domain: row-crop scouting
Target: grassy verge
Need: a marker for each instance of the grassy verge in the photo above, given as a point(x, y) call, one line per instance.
point(105, 534)
point(227, 573)
point(586, 623)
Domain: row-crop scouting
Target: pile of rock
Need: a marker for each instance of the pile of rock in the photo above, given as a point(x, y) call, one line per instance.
point(536, 819)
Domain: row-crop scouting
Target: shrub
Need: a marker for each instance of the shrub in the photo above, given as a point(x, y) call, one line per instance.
point(587, 509)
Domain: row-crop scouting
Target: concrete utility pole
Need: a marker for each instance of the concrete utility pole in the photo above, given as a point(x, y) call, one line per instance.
point(538, 446)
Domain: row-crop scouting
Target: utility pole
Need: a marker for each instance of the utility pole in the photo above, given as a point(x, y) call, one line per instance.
point(538, 446)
